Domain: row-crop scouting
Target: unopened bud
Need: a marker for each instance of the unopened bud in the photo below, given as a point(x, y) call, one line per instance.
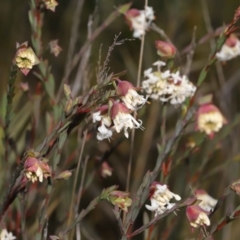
point(165, 49)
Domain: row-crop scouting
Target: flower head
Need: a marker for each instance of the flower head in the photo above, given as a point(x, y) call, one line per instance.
point(55, 48)
point(207, 202)
point(25, 58)
point(197, 216)
point(5, 235)
point(120, 199)
point(36, 169)
point(165, 49)
point(230, 49)
point(209, 119)
point(122, 118)
point(166, 86)
point(50, 4)
point(139, 20)
point(129, 95)
point(160, 197)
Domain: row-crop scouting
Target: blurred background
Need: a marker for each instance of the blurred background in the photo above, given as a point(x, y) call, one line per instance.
point(177, 19)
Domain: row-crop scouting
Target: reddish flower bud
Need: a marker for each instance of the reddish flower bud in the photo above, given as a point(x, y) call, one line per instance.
point(165, 49)
point(118, 108)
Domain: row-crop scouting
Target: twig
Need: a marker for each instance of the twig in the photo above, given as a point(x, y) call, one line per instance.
point(76, 177)
point(191, 53)
point(79, 81)
point(129, 169)
point(10, 95)
point(160, 31)
point(80, 191)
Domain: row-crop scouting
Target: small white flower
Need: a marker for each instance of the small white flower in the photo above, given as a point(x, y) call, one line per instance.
point(122, 118)
point(147, 72)
point(96, 117)
point(5, 235)
point(229, 50)
point(104, 130)
point(201, 220)
point(160, 198)
point(132, 100)
point(197, 216)
point(104, 133)
point(207, 202)
point(125, 121)
point(129, 95)
point(140, 20)
point(159, 63)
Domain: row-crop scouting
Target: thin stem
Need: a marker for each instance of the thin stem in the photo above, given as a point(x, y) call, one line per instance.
point(135, 114)
point(74, 33)
point(78, 232)
point(163, 126)
point(129, 169)
point(10, 95)
point(76, 177)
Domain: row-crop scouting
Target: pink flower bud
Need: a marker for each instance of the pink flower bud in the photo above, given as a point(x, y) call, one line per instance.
point(118, 108)
point(123, 87)
point(165, 49)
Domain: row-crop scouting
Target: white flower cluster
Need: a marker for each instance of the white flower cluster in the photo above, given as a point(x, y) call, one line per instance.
point(5, 235)
point(141, 22)
point(160, 200)
point(166, 86)
point(229, 50)
point(118, 119)
point(116, 116)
